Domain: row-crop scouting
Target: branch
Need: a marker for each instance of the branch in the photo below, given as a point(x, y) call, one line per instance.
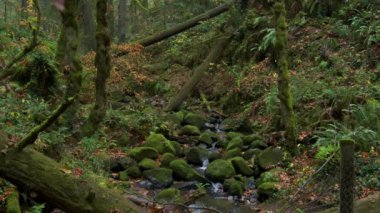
point(31, 137)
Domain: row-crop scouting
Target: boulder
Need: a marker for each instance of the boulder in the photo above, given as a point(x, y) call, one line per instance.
point(241, 166)
point(235, 152)
point(183, 171)
point(134, 172)
point(190, 130)
point(197, 155)
point(205, 138)
point(272, 175)
point(266, 190)
point(147, 164)
point(140, 153)
point(195, 120)
point(159, 177)
point(258, 144)
point(177, 147)
point(219, 170)
point(233, 187)
point(123, 176)
point(231, 135)
point(120, 163)
point(251, 153)
point(170, 195)
point(156, 141)
point(248, 139)
point(166, 159)
point(235, 142)
point(168, 147)
point(270, 157)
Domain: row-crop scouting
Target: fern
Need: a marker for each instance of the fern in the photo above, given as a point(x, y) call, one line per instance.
point(268, 40)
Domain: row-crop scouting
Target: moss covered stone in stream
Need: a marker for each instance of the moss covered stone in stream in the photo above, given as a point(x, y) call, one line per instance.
point(233, 187)
point(147, 164)
point(197, 155)
point(195, 120)
point(166, 159)
point(156, 141)
point(140, 153)
point(159, 177)
point(190, 130)
point(170, 195)
point(266, 190)
point(134, 171)
point(235, 152)
point(235, 142)
point(251, 153)
point(206, 138)
point(270, 157)
point(241, 166)
point(183, 171)
point(219, 170)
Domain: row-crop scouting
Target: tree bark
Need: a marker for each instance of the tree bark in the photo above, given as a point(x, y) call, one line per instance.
point(281, 66)
point(122, 21)
point(88, 42)
point(347, 176)
point(200, 71)
point(32, 171)
point(103, 66)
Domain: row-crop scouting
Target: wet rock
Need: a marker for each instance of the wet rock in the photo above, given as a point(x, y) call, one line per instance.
point(219, 170)
point(258, 144)
point(272, 175)
point(270, 157)
point(168, 147)
point(233, 187)
point(248, 139)
point(205, 138)
point(241, 166)
point(134, 172)
point(183, 171)
point(266, 190)
point(231, 135)
point(140, 153)
point(235, 152)
point(195, 120)
point(121, 163)
point(251, 153)
point(159, 177)
point(170, 195)
point(177, 147)
point(156, 141)
point(197, 155)
point(166, 159)
point(235, 142)
point(214, 156)
point(147, 164)
point(190, 130)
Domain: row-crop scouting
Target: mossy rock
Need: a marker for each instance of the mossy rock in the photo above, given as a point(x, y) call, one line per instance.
point(214, 156)
point(251, 153)
point(206, 138)
point(233, 187)
point(197, 155)
point(177, 147)
point(231, 135)
point(134, 171)
point(147, 164)
point(219, 170)
point(235, 142)
point(270, 157)
point(156, 141)
point(124, 140)
point(258, 144)
point(123, 176)
point(248, 139)
point(272, 175)
point(166, 159)
point(119, 163)
point(235, 152)
point(266, 190)
point(195, 120)
point(170, 195)
point(183, 171)
point(159, 177)
point(175, 119)
point(241, 166)
point(168, 147)
point(190, 130)
point(140, 153)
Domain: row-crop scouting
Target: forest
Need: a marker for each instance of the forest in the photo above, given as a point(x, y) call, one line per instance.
point(194, 106)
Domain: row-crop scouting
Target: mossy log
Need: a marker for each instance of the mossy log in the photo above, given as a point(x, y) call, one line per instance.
point(199, 73)
point(32, 171)
point(13, 204)
point(153, 39)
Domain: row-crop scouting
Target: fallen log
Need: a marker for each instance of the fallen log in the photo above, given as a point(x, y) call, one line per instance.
point(153, 39)
point(200, 71)
point(32, 171)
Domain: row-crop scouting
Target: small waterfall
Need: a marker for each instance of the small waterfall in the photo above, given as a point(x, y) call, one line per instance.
point(216, 188)
point(205, 163)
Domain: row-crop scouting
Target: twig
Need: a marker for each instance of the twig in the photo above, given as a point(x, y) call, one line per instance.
point(31, 137)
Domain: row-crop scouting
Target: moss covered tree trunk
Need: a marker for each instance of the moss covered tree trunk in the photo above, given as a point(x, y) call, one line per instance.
point(32, 171)
point(67, 56)
point(103, 66)
point(281, 66)
point(87, 24)
point(122, 21)
point(13, 205)
point(347, 176)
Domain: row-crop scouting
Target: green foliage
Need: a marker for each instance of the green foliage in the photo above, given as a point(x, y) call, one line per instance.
point(366, 27)
point(268, 40)
point(37, 208)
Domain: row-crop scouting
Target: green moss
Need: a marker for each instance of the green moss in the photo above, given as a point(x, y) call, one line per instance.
point(134, 171)
point(159, 177)
point(13, 205)
point(233, 187)
point(270, 157)
point(140, 153)
point(170, 195)
point(235, 142)
point(166, 159)
point(267, 190)
point(146, 164)
point(197, 155)
point(241, 166)
point(195, 120)
point(183, 171)
point(219, 170)
point(206, 138)
point(235, 152)
point(157, 141)
point(190, 130)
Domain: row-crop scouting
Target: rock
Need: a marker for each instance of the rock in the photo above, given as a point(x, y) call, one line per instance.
point(251, 153)
point(195, 120)
point(124, 140)
point(272, 175)
point(214, 156)
point(177, 147)
point(190, 130)
point(147, 164)
point(219, 170)
point(134, 172)
point(159, 177)
point(248, 139)
point(197, 155)
point(233, 187)
point(232, 153)
point(270, 157)
point(235, 142)
point(258, 144)
point(183, 171)
point(241, 166)
point(231, 135)
point(266, 190)
point(168, 147)
point(170, 195)
point(121, 163)
point(140, 153)
point(123, 176)
point(205, 138)
point(166, 159)
point(156, 141)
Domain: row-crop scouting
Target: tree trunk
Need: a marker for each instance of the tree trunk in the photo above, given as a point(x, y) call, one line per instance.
point(32, 171)
point(111, 18)
point(103, 66)
point(199, 73)
point(347, 176)
point(67, 57)
point(88, 25)
point(281, 66)
point(122, 20)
